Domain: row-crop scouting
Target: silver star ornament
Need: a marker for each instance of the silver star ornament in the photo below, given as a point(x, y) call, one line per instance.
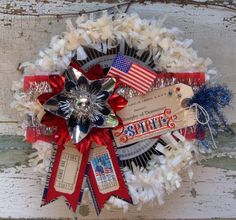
point(83, 104)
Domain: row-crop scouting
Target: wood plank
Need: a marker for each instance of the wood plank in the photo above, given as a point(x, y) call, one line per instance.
point(211, 194)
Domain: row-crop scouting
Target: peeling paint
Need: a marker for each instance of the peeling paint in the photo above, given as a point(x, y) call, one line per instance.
point(13, 152)
point(32, 7)
point(230, 176)
point(14, 158)
point(234, 194)
point(230, 22)
point(8, 142)
point(193, 192)
point(224, 162)
point(7, 24)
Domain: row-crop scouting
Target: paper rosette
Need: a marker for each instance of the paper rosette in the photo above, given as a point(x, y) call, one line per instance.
point(119, 104)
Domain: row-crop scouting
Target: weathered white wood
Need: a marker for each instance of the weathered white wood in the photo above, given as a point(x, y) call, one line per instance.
point(21, 38)
point(211, 194)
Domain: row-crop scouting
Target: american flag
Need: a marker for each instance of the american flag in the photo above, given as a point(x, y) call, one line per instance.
point(132, 74)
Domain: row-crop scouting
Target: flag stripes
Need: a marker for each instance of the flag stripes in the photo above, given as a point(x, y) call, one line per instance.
point(131, 74)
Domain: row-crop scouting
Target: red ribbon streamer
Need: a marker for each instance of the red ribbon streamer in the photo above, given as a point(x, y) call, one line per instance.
point(99, 136)
point(74, 198)
point(121, 192)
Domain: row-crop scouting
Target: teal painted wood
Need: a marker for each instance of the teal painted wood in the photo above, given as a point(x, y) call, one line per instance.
point(14, 151)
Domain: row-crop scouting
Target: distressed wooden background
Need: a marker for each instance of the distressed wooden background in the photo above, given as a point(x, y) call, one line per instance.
point(211, 193)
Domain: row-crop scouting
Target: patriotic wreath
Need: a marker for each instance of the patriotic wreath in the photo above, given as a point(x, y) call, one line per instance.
point(120, 105)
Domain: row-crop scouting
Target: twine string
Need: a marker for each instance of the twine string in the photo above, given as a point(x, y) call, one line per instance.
point(197, 109)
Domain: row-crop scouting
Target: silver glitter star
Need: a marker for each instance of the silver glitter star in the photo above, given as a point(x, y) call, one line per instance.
point(83, 104)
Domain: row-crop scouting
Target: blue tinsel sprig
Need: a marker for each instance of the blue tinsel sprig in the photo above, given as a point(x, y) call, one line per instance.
point(213, 98)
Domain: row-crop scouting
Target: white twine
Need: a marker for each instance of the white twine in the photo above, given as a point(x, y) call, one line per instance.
point(198, 108)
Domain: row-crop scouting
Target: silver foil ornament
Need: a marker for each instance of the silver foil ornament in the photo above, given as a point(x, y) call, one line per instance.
point(83, 104)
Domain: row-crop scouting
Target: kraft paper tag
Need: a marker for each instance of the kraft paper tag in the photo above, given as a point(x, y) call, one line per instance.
point(68, 169)
point(103, 170)
point(156, 113)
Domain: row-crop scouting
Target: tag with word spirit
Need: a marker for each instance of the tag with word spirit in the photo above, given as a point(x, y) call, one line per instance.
point(68, 169)
point(156, 113)
point(103, 170)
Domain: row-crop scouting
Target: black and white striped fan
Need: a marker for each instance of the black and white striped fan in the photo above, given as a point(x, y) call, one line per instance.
point(104, 59)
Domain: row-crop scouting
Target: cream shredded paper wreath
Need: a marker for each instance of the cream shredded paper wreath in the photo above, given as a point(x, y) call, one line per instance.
point(170, 54)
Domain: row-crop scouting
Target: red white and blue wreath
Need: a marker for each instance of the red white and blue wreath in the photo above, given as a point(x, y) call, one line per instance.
point(119, 105)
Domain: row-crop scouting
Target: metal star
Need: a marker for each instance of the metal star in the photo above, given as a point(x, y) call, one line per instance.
point(83, 104)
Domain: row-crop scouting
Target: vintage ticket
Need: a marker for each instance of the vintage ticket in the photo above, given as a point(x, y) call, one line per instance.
point(155, 113)
point(103, 170)
point(68, 169)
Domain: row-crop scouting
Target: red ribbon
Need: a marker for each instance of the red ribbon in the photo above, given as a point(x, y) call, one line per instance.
point(74, 198)
point(100, 136)
point(121, 192)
